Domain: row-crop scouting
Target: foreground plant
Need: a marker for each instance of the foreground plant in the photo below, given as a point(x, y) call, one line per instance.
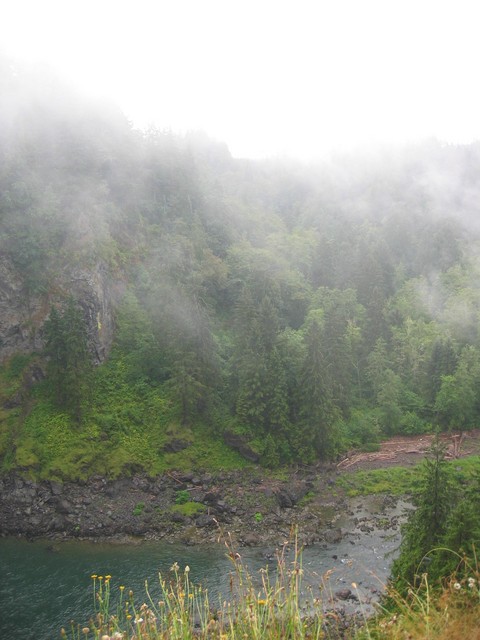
point(450, 611)
point(269, 606)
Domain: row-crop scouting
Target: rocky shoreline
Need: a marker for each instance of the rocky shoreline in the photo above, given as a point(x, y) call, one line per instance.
point(248, 508)
point(187, 508)
point(183, 507)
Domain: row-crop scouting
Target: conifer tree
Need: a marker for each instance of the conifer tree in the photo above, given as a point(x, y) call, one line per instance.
point(195, 369)
point(261, 399)
point(318, 411)
point(427, 524)
point(69, 365)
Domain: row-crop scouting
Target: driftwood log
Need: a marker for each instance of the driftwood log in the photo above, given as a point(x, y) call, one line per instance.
point(392, 448)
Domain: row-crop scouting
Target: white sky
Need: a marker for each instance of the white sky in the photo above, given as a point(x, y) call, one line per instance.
point(268, 77)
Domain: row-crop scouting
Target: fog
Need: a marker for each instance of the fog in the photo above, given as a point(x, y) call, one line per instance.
point(202, 271)
point(268, 78)
point(86, 179)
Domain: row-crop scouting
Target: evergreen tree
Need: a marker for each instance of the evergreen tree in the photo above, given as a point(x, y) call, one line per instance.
point(427, 524)
point(388, 400)
point(195, 369)
point(261, 399)
point(443, 362)
point(69, 367)
point(457, 401)
point(318, 411)
point(377, 363)
point(461, 538)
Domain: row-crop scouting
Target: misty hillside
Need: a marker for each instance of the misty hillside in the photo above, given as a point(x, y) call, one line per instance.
point(165, 305)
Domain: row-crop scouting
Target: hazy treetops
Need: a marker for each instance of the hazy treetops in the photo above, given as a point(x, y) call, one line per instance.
point(306, 307)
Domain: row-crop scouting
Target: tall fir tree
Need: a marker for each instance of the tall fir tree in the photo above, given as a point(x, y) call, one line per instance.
point(261, 399)
point(69, 368)
point(317, 409)
point(427, 524)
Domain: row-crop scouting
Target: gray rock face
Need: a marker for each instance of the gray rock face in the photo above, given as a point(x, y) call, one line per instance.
point(95, 292)
point(16, 312)
point(22, 315)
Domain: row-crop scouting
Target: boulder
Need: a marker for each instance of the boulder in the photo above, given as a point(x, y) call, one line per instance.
point(333, 536)
point(289, 497)
point(345, 594)
point(176, 445)
point(239, 444)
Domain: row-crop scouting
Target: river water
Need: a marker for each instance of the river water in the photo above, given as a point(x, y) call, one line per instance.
point(46, 584)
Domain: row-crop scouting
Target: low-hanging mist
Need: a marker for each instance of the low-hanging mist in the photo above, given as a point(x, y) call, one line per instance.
point(295, 309)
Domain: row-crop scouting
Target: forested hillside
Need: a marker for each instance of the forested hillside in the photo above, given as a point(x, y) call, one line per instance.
point(164, 304)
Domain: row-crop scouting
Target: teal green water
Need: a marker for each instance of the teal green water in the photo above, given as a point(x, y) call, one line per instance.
point(42, 589)
point(44, 585)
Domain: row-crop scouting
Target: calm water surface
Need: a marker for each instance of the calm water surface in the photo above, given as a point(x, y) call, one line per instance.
point(46, 584)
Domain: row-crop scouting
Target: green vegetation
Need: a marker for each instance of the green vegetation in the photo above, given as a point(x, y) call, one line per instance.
point(449, 612)
point(443, 533)
point(174, 294)
point(393, 480)
point(139, 508)
point(188, 508)
point(272, 607)
point(69, 369)
point(182, 497)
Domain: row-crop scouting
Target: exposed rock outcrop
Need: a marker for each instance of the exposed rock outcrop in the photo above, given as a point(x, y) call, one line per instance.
point(23, 314)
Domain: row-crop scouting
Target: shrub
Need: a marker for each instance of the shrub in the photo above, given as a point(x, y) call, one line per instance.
point(139, 509)
point(182, 497)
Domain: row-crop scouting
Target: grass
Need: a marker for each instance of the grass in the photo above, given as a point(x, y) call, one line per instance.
point(274, 606)
point(177, 609)
point(393, 480)
point(429, 612)
point(188, 509)
point(139, 509)
point(401, 480)
point(124, 431)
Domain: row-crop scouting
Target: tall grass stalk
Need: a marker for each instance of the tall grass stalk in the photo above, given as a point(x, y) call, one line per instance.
point(449, 610)
point(268, 606)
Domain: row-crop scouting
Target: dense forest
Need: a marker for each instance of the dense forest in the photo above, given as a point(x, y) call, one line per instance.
point(264, 311)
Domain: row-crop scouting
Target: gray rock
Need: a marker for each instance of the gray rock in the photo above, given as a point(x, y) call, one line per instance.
point(251, 540)
point(63, 506)
point(333, 536)
point(22, 316)
point(205, 521)
point(345, 594)
point(239, 444)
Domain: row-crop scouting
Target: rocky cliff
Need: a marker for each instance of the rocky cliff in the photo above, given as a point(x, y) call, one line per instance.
point(22, 314)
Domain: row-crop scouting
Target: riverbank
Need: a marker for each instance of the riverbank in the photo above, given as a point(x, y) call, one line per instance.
point(254, 509)
point(50, 580)
point(254, 506)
